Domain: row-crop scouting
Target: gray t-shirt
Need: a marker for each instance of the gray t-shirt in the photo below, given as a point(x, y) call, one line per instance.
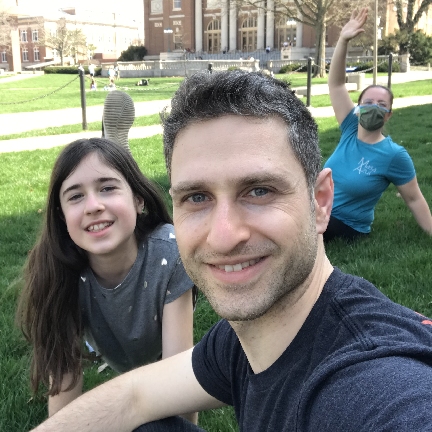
point(124, 324)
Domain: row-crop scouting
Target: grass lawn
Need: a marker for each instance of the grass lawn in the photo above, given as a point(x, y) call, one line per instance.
point(397, 257)
point(16, 92)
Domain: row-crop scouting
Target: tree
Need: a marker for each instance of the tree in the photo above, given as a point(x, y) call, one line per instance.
point(420, 45)
point(7, 22)
point(407, 19)
point(314, 13)
point(133, 53)
point(66, 42)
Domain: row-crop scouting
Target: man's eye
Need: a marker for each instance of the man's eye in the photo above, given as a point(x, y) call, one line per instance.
point(197, 198)
point(259, 192)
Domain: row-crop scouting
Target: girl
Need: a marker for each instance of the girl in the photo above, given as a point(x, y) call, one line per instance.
point(365, 162)
point(106, 268)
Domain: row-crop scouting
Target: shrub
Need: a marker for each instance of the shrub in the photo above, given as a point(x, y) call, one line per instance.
point(293, 67)
point(133, 53)
point(233, 68)
point(73, 70)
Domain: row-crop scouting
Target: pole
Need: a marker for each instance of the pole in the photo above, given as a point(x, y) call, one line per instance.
point(375, 48)
point(83, 98)
point(309, 81)
point(390, 69)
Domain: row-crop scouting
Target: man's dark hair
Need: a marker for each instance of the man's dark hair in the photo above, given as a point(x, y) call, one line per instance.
point(206, 96)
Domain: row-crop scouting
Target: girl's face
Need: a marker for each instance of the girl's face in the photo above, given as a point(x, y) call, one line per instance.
point(100, 209)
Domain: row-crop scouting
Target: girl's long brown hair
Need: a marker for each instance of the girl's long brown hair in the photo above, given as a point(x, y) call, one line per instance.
point(48, 311)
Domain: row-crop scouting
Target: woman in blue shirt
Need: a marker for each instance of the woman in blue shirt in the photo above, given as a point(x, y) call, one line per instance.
point(365, 162)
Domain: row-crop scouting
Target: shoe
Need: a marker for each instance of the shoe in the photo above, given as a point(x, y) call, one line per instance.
point(118, 117)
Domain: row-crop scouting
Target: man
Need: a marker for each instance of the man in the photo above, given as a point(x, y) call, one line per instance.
point(302, 346)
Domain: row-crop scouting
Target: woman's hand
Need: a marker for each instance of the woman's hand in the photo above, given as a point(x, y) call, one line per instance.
point(355, 25)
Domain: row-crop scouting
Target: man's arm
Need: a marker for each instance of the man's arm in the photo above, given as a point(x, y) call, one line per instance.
point(162, 389)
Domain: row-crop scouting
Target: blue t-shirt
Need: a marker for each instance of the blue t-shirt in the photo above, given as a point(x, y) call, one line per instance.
point(362, 172)
point(359, 363)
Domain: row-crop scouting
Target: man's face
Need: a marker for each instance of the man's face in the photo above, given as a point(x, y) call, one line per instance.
point(242, 213)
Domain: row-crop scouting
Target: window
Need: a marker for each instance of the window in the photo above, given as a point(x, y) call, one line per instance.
point(287, 33)
point(35, 35)
point(3, 57)
point(249, 33)
point(214, 36)
point(25, 55)
point(177, 4)
point(36, 54)
point(23, 35)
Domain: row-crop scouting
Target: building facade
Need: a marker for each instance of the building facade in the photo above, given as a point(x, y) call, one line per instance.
point(107, 35)
point(220, 26)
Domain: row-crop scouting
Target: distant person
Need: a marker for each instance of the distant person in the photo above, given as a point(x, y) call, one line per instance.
point(268, 49)
point(116, 72)
point(91, 69)
point(105, 269)
point(93, 85)
point(111, 74)
point(365, 161)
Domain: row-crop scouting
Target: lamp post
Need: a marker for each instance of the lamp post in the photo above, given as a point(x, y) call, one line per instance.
point(168, 31)
point(375, 57)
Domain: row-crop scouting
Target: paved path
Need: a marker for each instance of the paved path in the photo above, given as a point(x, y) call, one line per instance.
point(20, 122)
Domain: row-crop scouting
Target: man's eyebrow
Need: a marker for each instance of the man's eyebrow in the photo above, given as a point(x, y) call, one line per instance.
point(250, 180)
point(96, 181)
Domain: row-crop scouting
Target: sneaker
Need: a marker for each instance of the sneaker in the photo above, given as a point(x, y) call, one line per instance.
point(118, 117)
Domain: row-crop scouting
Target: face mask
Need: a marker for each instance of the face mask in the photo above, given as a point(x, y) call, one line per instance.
point(371, 117)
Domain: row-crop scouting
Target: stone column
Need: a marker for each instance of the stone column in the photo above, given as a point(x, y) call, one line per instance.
point(224, 25)
point(299, 33)
point(233, 27)
point(198, 26)
point(260, 32)
point(270, 24)
point(16, 51)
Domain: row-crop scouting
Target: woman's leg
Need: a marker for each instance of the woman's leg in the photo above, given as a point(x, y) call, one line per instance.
point(337, 229)
point(177, 424)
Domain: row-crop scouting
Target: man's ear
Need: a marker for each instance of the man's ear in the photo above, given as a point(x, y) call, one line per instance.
point(323, 199)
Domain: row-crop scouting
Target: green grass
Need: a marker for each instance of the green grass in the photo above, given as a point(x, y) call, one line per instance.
point(413, 88)
point(16, 92)
point(396, 256)
point(76, 128)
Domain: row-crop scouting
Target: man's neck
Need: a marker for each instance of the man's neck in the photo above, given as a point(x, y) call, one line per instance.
point(266, 338)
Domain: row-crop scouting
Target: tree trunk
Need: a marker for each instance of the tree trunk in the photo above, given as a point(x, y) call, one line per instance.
point(319, 68)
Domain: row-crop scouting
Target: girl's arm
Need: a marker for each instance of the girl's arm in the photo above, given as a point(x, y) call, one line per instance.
point(177, 331)
point(57, 402)
point(416, 202)
point(340, 100)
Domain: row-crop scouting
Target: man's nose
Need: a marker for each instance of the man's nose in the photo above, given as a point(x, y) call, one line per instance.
point(228, 227)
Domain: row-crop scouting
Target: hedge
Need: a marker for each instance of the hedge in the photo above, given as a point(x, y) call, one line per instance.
point(68, 70)
point(293, 67)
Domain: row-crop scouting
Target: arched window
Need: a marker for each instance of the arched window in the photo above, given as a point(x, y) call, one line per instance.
point(249, 30)
point(286, 32)
point(213, 36)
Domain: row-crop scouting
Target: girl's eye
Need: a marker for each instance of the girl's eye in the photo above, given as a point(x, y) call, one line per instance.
point(75, 197)
point(197, 198)
point(258, 192)
point(108, 188)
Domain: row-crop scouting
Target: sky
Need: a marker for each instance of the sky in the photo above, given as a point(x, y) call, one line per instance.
point(132, 7)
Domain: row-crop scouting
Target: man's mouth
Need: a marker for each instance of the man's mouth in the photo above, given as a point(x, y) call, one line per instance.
point(239, 266)
point(99, 227)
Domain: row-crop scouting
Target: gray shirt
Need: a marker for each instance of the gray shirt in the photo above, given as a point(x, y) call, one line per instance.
point(124, 324)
